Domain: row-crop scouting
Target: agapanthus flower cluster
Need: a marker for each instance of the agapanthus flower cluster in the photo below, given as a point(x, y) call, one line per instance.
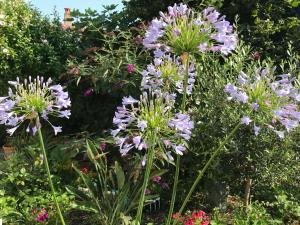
point(181, 30)
point(167, 73)
point(32, 99)
point(139, 121)
point(195, 218)
point(271, 100)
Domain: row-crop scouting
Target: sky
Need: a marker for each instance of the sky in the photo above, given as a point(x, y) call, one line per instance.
point(47, 6)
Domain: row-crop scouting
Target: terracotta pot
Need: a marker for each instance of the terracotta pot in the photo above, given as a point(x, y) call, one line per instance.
point(8, 151)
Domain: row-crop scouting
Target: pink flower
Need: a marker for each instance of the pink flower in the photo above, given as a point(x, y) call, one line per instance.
point(189, 222)
point(43, 216)
point(177, 216)
point(102, 146)
point(198, 215)
point(130, 68)
point(156, 179)
point(88, 92)
point(147, 191)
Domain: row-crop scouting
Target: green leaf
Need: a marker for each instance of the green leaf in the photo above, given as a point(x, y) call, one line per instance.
point(120, 175)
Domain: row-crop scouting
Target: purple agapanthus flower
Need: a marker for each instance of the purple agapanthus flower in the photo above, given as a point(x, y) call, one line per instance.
point(137, 121)
point(167, 73)
point(31, 99)
point(272, 99)
point(209, 31)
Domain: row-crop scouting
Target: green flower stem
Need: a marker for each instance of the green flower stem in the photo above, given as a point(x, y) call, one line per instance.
point(149, 162)
point(171, 209)
point(185, 58)
point(48, 170)
point(201, 173)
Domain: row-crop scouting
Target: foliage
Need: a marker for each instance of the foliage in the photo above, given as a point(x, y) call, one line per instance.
point(108, 192)
point(263, 158)
point(236, 214)
point(268, 26)
point(101, 76)
point(106, 63)
point(24, 189)
point(32, 44)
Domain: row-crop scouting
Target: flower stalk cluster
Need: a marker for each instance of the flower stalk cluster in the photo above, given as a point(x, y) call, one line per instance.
point(138, 120)
point(269, 100)
point(167, 73)
point(183, 33)
point(31, 99)
point(182, 30)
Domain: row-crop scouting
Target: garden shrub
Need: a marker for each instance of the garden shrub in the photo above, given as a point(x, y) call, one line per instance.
point(24, 189)
point(103, 74)
point(106, 62)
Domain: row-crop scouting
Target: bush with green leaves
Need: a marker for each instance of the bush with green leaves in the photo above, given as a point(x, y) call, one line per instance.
point(236, 214)
point(263, 158)
point(24, 189)
point(107, 192)
point(32, 44)
point(103, 74)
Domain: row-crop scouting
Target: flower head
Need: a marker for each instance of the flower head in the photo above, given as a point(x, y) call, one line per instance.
point(156, 179)
point(130, 68)
point(42, 216)
point(84, 170)
point(167, 73)
point(138, 122)
point(88, 92)
point(181, 30)
point(32, 99)
point(271, 100)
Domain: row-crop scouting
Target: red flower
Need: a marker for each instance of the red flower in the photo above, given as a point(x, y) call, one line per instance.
point(198, 215)
point(189, 222)
point(206, 221)
point(84, 170)
point(130, 68)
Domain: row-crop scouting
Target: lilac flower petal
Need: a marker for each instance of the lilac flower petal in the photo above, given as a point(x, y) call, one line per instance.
point(11, 131)
point(57, 129)
point(256, 130)
point(129, 100)
point(246, 120)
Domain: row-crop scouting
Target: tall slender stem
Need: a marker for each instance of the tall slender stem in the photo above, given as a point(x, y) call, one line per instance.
point(171, 209)
point(185, 58)
point(48, 170)
point(201, 173)
point(150, 157)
